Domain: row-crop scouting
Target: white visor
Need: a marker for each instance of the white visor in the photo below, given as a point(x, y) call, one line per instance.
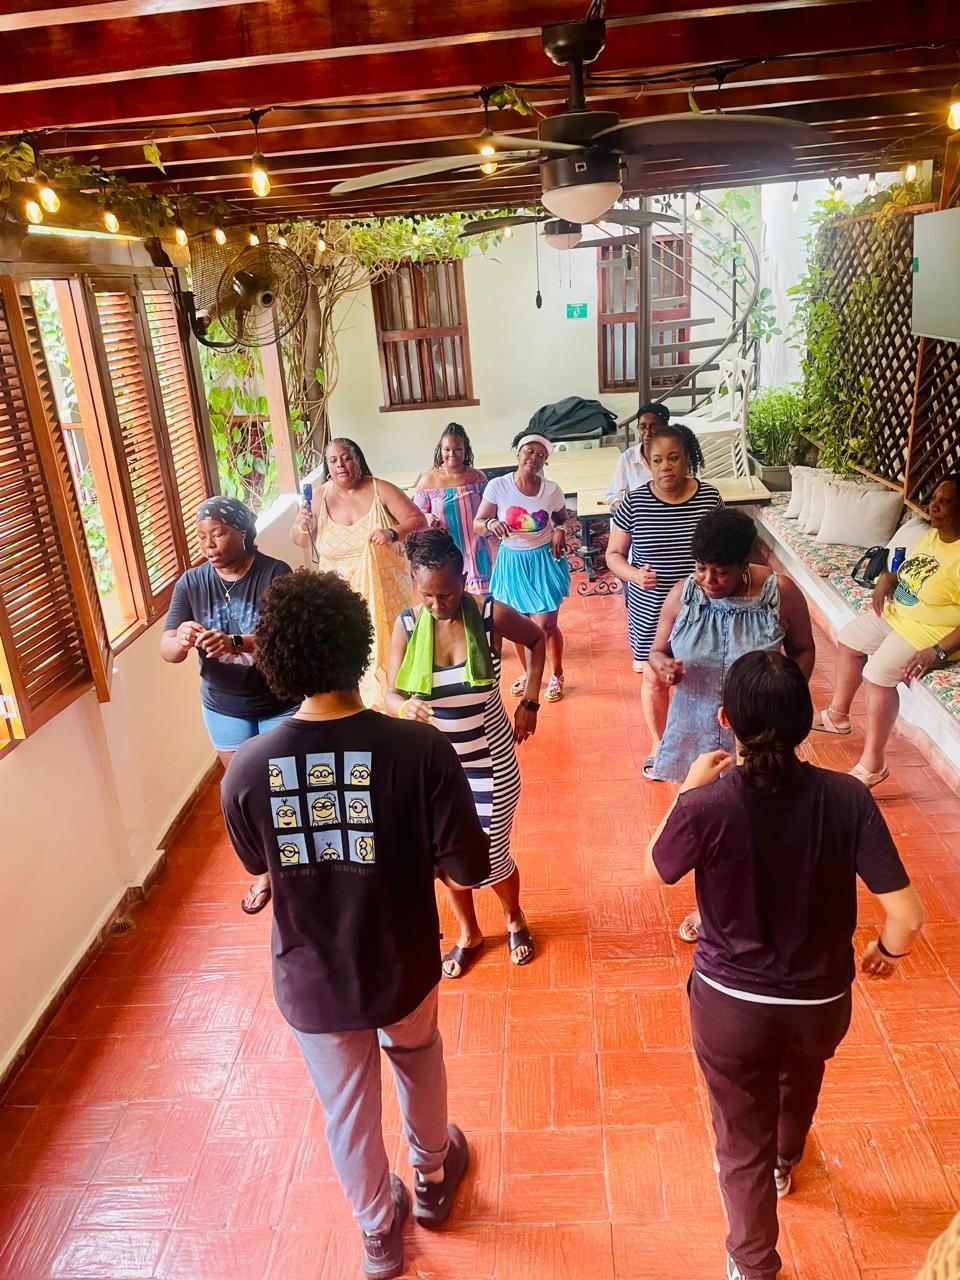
point(535, 439)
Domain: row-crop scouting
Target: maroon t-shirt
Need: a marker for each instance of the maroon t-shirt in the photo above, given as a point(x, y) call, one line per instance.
point(776, 878)
point(352, 817)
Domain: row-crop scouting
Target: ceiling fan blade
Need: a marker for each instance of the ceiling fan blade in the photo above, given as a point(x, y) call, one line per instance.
point(635, 218)
point(665, 134)
point(418, 169)
point(511, 142)
point(480, 225)
point(605, 241)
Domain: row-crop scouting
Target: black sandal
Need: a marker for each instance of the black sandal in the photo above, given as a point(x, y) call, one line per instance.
point(517, 939)
point(253, 894)
point(464, 957)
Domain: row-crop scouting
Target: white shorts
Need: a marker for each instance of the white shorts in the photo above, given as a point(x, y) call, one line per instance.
point(889, 652)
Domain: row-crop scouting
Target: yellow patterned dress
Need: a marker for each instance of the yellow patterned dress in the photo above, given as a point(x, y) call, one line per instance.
point(381, 574)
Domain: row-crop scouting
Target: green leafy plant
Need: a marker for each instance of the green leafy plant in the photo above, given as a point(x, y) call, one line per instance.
point(774, 425)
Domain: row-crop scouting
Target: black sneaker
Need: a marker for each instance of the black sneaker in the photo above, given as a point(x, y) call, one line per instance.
point(383, 1253)
point(433, 1201)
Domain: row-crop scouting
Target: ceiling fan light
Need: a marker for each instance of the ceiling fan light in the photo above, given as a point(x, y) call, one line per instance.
point(581, 186)
point(560, 234)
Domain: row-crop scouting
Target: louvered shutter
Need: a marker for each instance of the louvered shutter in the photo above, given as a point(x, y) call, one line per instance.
point(44, 663)
point(139, 439)
point(183, 439)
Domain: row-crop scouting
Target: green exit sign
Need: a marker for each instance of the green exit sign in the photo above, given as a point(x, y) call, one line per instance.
point(576, 311)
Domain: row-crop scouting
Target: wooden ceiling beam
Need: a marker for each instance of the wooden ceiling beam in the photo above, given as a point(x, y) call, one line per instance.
point(467, 64)
point(25, 14)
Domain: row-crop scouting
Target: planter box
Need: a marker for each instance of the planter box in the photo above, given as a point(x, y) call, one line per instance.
point(776, 479)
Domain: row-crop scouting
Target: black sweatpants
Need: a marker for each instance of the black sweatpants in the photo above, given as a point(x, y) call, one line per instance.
point(763, 1065)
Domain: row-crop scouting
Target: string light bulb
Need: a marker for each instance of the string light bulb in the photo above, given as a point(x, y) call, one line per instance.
point(415, 240)
point(321, 245)
point(872, 185)
point(795, 198)
point(110, 219)
point(219, 235)
point(259, 177)
point(282, 241)
point(490, 167)
point(698, 209)
point(180, 232)
point(48, 198)
point(507, 232)
point(32, 212)
point(953, 113)
point(910, 171)
point(253, 239)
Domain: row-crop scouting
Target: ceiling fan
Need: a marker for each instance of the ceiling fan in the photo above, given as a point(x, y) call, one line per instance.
point(561, 234)
point(586, 157)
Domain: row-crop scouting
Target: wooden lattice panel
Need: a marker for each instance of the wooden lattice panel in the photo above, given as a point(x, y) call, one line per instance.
point(884, 350)
point(935, 449)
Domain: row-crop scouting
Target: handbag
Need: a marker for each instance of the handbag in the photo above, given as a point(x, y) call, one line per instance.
point(869, 567)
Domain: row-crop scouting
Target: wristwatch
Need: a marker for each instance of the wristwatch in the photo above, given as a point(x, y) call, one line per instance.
point(394, 535)
point(941, 656)
point(237, 641)
point(528, 704)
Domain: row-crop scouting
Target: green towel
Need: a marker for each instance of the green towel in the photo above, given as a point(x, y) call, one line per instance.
point(416, 671)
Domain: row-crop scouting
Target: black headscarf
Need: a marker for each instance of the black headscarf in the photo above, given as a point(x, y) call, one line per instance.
point(661, 410)
point(233, 512)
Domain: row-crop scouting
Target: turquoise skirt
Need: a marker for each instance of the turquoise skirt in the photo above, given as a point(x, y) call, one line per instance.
point(530, 581)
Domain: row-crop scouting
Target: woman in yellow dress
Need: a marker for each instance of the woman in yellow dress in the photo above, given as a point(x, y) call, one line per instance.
point(357, 524)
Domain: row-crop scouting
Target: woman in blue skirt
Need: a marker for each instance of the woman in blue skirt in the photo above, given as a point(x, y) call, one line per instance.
point(526, 513)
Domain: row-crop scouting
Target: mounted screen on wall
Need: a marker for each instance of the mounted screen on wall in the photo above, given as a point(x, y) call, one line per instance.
point(936, 275)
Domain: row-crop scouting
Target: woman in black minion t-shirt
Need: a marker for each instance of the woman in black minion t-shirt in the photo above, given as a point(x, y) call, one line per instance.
point(214, 610)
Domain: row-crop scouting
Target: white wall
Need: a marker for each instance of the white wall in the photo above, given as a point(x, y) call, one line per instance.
point(84, 801)
point(522, 358)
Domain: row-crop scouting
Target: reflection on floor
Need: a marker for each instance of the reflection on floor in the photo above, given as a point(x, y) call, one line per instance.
point(164, 1127)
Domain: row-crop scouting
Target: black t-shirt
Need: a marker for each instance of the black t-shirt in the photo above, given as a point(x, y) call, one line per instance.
point(776, 878)
point(351, 818)
point(231, 685)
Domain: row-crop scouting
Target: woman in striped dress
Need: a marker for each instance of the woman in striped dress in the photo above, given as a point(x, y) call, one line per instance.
point(445, 670)
point(449, 496)
point(650, 550)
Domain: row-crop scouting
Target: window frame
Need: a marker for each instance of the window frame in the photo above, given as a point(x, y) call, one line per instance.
point(77, 284)
point(424, 334)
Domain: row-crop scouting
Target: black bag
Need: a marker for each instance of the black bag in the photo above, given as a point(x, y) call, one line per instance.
point(573, 419)
point(869, 567)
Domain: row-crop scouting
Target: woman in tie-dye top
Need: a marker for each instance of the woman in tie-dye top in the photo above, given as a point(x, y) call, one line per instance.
point(449, 496)
point(527, 512)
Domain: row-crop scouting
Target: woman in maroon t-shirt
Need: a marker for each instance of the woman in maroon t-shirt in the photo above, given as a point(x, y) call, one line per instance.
point(776, 846)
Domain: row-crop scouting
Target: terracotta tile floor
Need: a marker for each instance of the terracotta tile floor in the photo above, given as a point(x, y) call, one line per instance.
point(165, 1128)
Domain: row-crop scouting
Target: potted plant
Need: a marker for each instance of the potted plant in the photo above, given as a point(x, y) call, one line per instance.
point(774, 419)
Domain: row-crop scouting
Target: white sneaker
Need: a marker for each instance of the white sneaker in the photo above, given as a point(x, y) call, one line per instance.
point(733, 1271)
point(783, 1181)
point(637, 666)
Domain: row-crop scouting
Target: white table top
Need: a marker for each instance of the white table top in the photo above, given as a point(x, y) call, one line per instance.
point(573, 469)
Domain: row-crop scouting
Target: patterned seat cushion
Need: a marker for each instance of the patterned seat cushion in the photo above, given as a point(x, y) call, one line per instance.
point(855, 595)
point(945, 687)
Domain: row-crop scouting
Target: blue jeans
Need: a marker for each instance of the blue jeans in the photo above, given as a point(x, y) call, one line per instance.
point(227, 733)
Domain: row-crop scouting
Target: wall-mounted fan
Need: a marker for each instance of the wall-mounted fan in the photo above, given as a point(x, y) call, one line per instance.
point(587, 157)
point(256, 293)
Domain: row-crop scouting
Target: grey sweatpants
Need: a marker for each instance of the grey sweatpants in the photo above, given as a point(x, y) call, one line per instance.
point(345, 1068)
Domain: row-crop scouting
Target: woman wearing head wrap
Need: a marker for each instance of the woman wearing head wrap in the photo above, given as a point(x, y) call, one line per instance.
point(530, 574)
point(357, 524)
point(632, 470)
point(213, 612)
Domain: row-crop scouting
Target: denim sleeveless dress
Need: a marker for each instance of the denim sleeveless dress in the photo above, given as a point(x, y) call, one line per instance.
point(708, 637)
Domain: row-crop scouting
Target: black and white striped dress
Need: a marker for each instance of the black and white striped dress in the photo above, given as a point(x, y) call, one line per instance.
point(476, 722)
point(661, 534)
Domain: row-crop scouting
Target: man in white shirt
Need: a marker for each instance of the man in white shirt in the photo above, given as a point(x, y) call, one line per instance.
point(632, 470)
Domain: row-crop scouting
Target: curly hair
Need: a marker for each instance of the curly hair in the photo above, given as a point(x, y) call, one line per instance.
point(687, 440)
point(767, 701)
point(346, 443)
point(313, 635)
point(454, 429)
point(723, 537)
point(433, 549)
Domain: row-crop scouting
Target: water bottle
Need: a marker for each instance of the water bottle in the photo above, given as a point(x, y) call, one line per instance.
point(899, 555)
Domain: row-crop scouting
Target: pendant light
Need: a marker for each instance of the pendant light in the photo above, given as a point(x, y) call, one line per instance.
point(795, 198)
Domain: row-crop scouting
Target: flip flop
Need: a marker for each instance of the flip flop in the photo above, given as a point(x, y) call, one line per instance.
point(517, 939)
point(869, 780)
point(464, 957)
point(252, 895)
point(823, 722)
point(647, 769)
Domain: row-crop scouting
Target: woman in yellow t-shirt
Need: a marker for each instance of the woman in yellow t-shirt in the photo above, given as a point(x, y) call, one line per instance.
point(914, 627)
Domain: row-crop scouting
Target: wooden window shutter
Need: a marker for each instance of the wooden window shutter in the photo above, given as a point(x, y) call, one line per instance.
point(139, 441)
point(183, 439)
point(44, 662)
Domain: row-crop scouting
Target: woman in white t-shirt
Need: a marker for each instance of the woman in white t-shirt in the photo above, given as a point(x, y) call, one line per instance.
point(526, 513)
